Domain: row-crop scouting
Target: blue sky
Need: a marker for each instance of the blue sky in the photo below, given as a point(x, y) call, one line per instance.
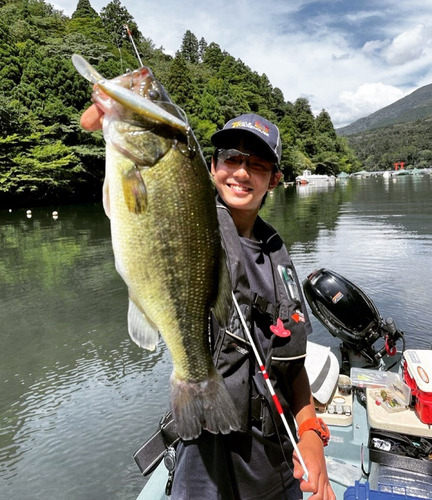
point(350, 57)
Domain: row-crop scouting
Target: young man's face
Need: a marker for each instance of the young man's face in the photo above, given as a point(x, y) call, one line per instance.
point(242, 180)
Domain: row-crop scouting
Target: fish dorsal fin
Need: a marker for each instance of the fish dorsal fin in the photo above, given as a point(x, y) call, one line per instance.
point(142, 331)
point(223, 304)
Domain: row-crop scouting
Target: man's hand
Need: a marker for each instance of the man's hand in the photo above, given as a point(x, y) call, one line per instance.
point(92, 118)
point(312, 451)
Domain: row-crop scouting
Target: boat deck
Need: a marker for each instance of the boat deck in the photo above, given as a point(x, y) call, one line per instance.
point(348, 446)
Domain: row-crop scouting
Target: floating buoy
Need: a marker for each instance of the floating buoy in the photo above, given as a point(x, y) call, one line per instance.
point(55, 215)
point(29, 214)
point(10, 210)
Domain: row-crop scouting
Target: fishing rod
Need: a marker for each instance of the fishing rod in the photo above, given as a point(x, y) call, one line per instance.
point(270, 387)
point(126, 27)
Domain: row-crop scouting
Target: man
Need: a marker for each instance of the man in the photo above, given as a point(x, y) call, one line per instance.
point(258, 461)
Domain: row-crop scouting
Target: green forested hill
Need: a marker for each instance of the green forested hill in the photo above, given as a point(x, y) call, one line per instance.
point(399, 132)
point(379, 149)
point(46, 157)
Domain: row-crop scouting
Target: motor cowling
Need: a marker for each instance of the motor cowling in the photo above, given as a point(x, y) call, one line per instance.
point(348, 314)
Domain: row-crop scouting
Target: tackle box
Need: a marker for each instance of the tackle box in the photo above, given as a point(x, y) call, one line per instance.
point(362, 491)
point(417, 374)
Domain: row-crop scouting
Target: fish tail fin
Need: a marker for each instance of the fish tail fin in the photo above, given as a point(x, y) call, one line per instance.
point(141, 330)
point(203, 405)
point(223, 304)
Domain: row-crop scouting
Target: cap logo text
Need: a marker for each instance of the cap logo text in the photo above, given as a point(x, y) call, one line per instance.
point(263, 129)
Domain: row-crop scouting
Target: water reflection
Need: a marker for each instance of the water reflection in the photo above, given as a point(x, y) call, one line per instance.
point(78, 397)
point(67, 423)
point(304, 190)
point(378, 235)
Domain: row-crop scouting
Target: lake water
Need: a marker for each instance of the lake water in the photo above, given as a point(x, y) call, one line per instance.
point(77, 397)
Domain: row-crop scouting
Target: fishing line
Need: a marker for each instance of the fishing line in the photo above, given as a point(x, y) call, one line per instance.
point(270, 387)
point(126, 27)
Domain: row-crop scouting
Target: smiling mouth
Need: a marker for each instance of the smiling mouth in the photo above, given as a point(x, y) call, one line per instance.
point(239, 189)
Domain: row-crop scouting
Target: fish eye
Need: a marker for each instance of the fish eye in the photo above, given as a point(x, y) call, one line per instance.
point(154, 95)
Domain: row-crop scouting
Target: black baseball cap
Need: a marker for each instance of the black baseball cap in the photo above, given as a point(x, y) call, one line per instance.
point(254, 124)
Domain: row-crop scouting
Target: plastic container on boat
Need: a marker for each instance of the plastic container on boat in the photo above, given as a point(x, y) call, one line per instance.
point(416, 484)
point(364, 377)
point(367, 378)
point(362, 491)
point(417, 373)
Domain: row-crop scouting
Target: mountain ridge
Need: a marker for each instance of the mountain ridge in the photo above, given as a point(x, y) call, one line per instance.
point(415, 106)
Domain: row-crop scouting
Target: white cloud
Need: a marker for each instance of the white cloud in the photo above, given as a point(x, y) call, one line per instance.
point(409, 45)
point(363, 15)
point(367, 99)
point(375, 46)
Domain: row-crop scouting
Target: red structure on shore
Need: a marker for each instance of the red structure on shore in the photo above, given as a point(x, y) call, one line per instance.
point(399, 165)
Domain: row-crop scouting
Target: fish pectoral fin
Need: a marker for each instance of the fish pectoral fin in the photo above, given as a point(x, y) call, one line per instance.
point(134, 191)
point(142, 331)
point(105, 198)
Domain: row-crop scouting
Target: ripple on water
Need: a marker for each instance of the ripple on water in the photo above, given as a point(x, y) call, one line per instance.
point(85, 405)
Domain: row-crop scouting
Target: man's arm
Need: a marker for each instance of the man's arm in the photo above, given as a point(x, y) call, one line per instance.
point(310, 445)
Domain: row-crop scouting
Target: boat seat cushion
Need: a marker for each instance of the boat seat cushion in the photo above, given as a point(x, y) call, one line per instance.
point(322, 367)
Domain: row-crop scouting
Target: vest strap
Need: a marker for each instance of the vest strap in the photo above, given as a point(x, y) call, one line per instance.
point(265, 307)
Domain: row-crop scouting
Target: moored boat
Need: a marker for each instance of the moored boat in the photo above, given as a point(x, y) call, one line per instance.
point(309, 178)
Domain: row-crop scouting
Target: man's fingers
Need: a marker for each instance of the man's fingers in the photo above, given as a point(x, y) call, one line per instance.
point(92, 118)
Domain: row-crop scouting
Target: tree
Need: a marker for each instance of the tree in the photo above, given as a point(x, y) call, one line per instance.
point(277, 103)
point(189, 47)
point(10, 70)
point(114, 19)
point(305, 125)
point(324, 125)
point(300, 162)
point(180, 84)
point(213, 56)
point(84, 9)
point(202, 47)
point(303, 117)
point(287, 132)
point(210, 109)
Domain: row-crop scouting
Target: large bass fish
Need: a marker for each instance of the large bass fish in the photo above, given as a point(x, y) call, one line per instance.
point(160, 200)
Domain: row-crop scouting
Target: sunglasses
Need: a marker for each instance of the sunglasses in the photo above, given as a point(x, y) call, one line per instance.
point(234, 158)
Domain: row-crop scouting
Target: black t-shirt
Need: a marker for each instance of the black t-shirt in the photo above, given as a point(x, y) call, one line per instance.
point(239, 465)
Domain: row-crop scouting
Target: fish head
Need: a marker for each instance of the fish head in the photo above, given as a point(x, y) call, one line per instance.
point(140, 119)
point(141, 82)
point(143, 123)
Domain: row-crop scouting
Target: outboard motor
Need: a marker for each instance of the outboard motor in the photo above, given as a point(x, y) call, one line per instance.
point(351, 316)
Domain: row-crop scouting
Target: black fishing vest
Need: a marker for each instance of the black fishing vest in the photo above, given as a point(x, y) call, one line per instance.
point(232, 352)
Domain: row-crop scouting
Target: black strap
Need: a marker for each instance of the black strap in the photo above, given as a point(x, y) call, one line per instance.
point(265, 307)
point(153, 450)
point(168, 430)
